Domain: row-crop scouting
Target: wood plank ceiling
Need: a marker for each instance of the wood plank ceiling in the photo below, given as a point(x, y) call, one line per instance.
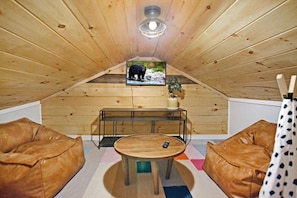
point(235, 46)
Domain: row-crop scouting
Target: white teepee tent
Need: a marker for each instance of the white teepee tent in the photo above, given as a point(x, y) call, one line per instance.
point(281, 176)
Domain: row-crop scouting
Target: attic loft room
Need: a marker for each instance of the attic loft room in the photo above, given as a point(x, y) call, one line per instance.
point(88, 106)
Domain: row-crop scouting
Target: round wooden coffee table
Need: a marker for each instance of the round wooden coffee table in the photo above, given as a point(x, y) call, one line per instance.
point(149, 147)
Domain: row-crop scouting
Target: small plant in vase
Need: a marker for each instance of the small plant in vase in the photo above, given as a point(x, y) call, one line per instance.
point(173, 88)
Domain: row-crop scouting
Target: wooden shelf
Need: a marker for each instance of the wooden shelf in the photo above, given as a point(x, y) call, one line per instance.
point(152, 115)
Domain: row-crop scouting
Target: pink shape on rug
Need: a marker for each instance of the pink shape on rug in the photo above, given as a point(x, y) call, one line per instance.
point(198, 163)
point(193, 153)
point(110, 155)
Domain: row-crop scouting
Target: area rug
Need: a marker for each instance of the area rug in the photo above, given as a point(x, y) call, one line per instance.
point(102, 176)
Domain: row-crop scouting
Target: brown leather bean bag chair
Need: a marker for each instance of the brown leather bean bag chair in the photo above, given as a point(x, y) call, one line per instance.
point(36, 161)
point(238, 165)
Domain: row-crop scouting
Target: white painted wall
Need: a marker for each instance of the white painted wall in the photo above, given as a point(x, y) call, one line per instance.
point(30, 110)
point(244, 112)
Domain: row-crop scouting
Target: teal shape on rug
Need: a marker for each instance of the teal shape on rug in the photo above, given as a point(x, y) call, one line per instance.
point(177, 191)
point(86, 150)
point(144, 167)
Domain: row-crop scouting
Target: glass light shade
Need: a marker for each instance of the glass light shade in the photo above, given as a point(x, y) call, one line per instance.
point(149, 32)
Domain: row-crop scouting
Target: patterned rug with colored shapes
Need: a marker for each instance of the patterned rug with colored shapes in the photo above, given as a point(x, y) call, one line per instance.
point(102, 176)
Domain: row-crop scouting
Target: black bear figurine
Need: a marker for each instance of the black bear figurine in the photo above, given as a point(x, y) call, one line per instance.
point(137, 69)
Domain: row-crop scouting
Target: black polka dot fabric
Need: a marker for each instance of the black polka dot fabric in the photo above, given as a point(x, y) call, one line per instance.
point(281, 177)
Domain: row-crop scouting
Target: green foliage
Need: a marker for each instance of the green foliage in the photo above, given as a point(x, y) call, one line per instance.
point(158, 66)
point(158, 69)
point(174, 86)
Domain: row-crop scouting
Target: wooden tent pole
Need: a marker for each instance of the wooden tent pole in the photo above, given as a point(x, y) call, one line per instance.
point(292, 84)
point(282, 85)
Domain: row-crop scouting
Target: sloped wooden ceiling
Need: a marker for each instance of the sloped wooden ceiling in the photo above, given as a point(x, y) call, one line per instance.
point(235, 46)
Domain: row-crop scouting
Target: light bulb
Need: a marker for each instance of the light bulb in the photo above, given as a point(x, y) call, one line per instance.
point(152, 25)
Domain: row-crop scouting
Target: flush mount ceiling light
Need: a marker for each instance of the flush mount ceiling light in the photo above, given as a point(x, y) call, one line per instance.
point(152, 27)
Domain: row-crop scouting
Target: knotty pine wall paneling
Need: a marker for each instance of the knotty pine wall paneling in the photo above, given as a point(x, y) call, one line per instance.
point(73, 111)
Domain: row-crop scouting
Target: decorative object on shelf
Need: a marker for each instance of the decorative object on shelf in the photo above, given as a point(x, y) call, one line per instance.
point(173, 87)
point(152, 27)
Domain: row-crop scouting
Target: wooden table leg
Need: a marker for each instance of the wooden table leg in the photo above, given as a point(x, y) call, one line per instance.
point(155, 173)
point(125, 165)
point(169, 167)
